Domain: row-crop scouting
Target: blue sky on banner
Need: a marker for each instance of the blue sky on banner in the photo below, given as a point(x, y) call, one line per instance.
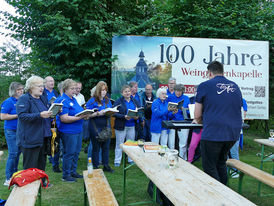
point(128, 49)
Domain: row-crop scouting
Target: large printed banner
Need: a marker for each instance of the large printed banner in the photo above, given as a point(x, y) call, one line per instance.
point(155, 59)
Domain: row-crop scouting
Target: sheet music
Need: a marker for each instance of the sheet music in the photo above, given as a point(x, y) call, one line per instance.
point(191, 108)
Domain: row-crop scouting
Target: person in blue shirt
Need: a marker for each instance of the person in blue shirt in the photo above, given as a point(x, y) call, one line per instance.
point(8, 114)
point(134, 91)
point(124, 125)
point(49, 91)
point(139, 123)
point(183, 133)
point(147, 96)
point(159, 134)
point(171, 85)
point(97, 123)
point(33, 128)
point(55, 159)
point(71, 129)
point(218, 107)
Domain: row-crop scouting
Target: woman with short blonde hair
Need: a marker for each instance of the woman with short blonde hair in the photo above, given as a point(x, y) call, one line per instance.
point(32, 82)
point(33, 129)
point(71, 131)
point(8, 114)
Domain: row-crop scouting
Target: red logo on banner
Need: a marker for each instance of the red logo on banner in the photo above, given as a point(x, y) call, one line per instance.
point(189, 89)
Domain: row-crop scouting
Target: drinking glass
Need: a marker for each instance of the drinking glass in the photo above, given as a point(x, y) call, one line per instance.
point(141, 143)
point(172, 158)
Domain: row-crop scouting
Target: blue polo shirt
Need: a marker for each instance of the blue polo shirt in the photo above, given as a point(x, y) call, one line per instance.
point(9, 107)
point(174, 98)
point(100, 121)
point(222, 101)
point(130, 105)
point(168, 93)
point(70, 107)
point(50, 94)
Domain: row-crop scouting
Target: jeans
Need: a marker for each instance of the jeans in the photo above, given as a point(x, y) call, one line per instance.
point(14, 153)
point(146, 131)
point(127, 133)
point(195, 139)
point(183, 136)
point(96, 147)
point(214, 156)
point(160, 137)
point(234, 151)
point(72, 146)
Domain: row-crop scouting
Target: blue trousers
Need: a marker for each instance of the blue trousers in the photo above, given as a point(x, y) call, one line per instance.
point(72, 146)
point(14, 153)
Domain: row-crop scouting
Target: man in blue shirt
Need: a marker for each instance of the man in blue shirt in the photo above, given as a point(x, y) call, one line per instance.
point(50, 94)
point(140, 123)
point(49, 91)
point(179, 96)
point(171, 85)
point(218, 106)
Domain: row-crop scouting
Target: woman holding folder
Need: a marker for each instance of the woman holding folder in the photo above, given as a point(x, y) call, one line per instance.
point(70, 129)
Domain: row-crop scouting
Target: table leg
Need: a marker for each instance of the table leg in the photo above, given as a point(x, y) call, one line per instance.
point(154, 192)
point(261, 168)
point(85, 195)
point(39, 196)
point(124, 178)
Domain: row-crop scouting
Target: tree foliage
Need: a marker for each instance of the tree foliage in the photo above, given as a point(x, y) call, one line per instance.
point(72, 38)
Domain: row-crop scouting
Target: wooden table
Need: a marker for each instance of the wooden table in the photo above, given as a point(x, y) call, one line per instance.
point(265, 142)
point(184, 185)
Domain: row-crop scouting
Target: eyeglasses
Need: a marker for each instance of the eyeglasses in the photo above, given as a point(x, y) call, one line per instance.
point(40, 85)
point(72, 88)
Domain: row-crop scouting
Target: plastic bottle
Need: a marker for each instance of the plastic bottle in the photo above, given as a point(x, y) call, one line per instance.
point(90, 168)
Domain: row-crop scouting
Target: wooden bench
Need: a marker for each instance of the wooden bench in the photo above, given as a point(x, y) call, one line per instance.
point(26, 195)
point(254, 172)
point(98, 190)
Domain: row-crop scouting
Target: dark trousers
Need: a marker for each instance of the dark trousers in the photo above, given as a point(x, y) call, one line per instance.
point(146, 131)
point(96, 151)
point(214, 156)
point(34, 158)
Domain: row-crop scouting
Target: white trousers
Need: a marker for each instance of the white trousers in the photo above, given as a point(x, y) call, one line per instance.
point(127, 133)
point(183, 135)
point(160, 137)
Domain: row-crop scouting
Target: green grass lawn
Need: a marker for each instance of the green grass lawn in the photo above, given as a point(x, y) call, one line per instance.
point(67, 194)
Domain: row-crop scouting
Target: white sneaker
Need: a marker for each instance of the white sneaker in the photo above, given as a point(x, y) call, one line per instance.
point(235, 175)
point(7, 183)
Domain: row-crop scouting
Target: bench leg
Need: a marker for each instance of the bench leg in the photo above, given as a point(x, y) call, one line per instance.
point(261, 168)
point(240, 182)
point(124, 178)
point(85, 195)
point(39, 196)
point(228, 175)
